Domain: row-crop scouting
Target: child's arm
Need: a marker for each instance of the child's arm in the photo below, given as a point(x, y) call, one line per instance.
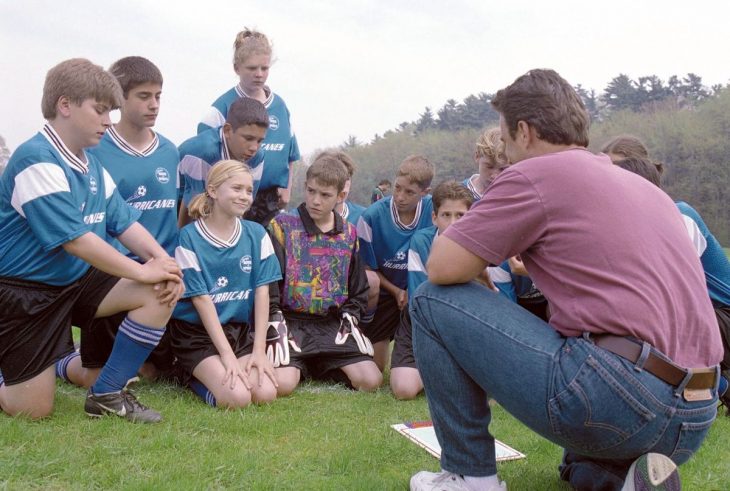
point(97, 252)
point(258, 358)
point(208, 315)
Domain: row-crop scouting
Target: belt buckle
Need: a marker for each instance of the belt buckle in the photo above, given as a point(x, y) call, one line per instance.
point(696, 395)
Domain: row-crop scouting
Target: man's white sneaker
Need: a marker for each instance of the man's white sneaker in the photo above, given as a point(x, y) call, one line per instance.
point(446, 481)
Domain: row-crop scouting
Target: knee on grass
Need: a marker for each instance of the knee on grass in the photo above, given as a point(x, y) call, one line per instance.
point(404, 391)
point(38, 410)
point(236, 398)
point(367, 380)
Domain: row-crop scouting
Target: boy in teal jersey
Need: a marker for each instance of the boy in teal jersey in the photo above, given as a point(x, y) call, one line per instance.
point(385, 230)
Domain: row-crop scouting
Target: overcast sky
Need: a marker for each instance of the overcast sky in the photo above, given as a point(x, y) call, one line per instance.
point(355, 67)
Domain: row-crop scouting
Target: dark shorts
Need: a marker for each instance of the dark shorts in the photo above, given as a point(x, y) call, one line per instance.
point(191, 344)
point(320, 356)
point(265, 207)
point(534, 302)
point(385, 321)
point(36, 320)
point(97, 341)
point(402, 355)
point(723, 321)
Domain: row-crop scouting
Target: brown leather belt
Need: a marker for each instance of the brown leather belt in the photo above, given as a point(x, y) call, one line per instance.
point(702, 378)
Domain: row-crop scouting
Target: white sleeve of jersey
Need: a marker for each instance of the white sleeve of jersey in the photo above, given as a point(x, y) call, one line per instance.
point(415, 263)
point(213, 118)
point(267, 248)
point(186, 258)
point(109, 184)
point(364, 231)
point(38, 180)
point(698, 240)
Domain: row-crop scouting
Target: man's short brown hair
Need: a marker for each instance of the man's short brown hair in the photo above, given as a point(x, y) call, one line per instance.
point(328, 171)
point(417, 169)
point(547, 102)
point(79, 79)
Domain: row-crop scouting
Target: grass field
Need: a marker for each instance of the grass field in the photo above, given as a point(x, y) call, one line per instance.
point(322, 437)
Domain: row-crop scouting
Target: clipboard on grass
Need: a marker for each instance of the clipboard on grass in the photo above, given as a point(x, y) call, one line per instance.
point(422, 434)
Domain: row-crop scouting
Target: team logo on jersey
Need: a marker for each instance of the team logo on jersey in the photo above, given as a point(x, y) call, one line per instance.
point(400, 256)
point(93, 186)
point(162, 175)
point(273, 122)
point(397, 262)
point(139, 193)
point(246, 264)
point(221, 282)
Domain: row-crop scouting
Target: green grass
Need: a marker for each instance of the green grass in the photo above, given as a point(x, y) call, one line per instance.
point(322, 437)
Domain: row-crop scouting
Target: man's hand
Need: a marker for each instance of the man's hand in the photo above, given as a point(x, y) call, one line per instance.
point(277, 340)
point(348, 326)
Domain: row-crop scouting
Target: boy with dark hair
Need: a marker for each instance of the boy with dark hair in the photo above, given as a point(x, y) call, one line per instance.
point(385, 229)
point(57, 206)
point(143, 164)
point(323, 293)
point(599, 380)
point(239, 138)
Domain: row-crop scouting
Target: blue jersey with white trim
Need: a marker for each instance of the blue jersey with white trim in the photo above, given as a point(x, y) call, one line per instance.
point(420, 249)
point(384, 239)
point(280, 146)
point(147, 180)
point(49, 196)
point(712, 256)
point(468, 183)
point(197, 156)
point(227, 270)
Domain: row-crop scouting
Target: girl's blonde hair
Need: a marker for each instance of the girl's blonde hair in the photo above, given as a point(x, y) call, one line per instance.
point(491, 147)
point(250, 42)
point(202, 204)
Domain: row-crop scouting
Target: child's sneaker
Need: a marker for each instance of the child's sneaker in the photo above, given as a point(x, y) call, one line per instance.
point(445, 481)
point(122, 404)
point(652, 472)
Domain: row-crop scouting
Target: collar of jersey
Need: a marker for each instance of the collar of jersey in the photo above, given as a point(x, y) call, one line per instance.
point(215, 241)
point(473, 188)
point(267, 90)
point(67, 155)
point(225, 155)
point(126, 147)
point(345, 211)
point(396, 218)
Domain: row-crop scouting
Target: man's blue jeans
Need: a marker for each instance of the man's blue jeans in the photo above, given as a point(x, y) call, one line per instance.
point(472, 344)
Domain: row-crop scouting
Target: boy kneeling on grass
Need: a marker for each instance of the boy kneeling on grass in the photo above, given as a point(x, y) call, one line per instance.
point(57, 207)
point(324, 291)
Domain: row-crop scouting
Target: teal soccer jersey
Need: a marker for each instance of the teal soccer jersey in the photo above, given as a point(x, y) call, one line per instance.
point(228, 270)
point(48, 196)
point(199, 153)
point(147, 180)
point(352, 212)
point(280, 146)
point(384, 239)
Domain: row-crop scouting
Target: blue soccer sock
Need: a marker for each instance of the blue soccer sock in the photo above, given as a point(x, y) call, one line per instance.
point(132, 346)
point(62, 366)
point(2, 379)
point(202, 391)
